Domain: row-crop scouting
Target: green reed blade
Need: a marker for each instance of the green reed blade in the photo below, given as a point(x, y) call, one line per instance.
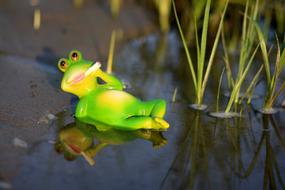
point(111, 52)
point(185, 47)
point(238, 83)
point(198, 6)
point(244, 42)
point(219, 89)
point(278, 93)
point(227, 62)
point(197, 40)
point(250, 89)
point(264, 52)
point(213, 52)
point(201, 62)
point(277, 70)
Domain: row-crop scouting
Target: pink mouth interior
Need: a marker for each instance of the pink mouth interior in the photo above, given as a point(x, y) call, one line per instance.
point(78, 78)
point(75, 148)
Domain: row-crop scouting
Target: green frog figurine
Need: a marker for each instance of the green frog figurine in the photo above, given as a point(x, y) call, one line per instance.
point(104, 104)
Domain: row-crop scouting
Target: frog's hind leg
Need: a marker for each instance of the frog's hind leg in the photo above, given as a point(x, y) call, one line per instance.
point(142, 122)
point(156, 108)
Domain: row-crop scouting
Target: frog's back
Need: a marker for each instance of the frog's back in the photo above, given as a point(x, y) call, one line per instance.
point(107, 105)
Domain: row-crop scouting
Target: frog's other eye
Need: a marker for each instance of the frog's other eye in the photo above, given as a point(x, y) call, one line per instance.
point(75, 55)
point(62, 64)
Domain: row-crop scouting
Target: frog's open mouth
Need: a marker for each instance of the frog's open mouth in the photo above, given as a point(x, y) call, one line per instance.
point(79, 77)
point(73, 148)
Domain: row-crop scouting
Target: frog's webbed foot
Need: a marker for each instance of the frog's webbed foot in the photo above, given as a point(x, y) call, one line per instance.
point(162, 124)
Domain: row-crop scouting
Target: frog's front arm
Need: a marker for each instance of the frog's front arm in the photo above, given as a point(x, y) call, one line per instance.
point(111, 82)
point(91, 152)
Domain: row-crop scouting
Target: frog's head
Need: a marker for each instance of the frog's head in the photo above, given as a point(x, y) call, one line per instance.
point(72, 141)
point(77, 77)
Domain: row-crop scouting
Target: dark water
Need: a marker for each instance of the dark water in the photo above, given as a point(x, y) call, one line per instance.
point(202, 152)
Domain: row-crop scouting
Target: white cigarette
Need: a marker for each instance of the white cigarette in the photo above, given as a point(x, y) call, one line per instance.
point(87, 158)
point(93, 68)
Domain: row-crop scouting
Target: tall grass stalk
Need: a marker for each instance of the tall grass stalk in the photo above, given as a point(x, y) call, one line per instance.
point(189, 18)
point(247, 54)
point(280, 17)
point(200, 76)
point(115, 7)
point(164, 7)
point(111, 52)
point(37, 19)
point(237, 86)
point(272, 79)
point(173, 99)
point(227, 63)
point(78, 3)
point(250, 90)
point(219, 90)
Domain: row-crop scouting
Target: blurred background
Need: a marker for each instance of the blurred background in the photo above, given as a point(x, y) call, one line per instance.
point(201, 152)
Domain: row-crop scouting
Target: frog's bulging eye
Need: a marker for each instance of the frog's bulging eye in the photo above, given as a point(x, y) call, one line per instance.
point(75, 55)
point(62, 65)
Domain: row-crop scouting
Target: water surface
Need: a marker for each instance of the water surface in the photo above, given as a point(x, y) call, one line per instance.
point(202, 152)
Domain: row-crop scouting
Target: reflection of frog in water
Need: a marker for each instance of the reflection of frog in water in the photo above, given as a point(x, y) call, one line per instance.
point(77, 139)
point(106, 104)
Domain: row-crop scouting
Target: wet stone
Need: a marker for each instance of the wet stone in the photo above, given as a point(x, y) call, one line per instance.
point(5, 185)
point(198, 107)
point(20, 143)
point(22, 106)
point(224, 115)
point(268, 111)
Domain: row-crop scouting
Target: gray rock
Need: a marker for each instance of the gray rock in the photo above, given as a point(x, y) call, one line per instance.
point(29, 92)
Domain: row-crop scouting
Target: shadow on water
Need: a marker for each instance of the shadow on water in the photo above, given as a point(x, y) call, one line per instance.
point(49, 59)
